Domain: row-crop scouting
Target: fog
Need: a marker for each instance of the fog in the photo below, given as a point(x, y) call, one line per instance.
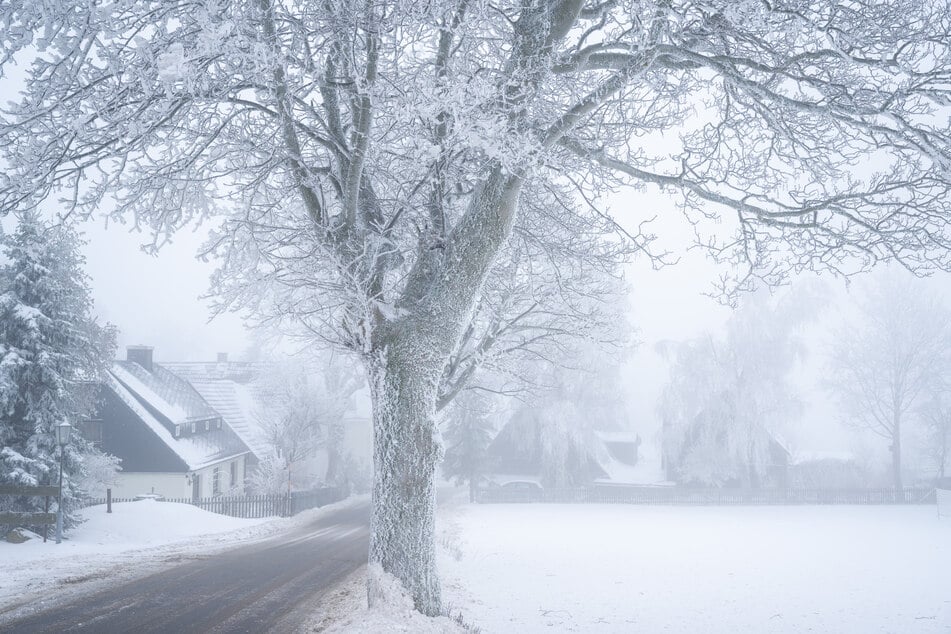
point(462, 317)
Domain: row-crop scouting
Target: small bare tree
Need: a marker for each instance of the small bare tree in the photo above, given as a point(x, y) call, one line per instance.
point(889, 363)
point(304, 402)
point(290, 418)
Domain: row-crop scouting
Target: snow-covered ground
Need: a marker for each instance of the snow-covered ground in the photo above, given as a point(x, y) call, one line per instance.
point(131, 540)
point(616, 568)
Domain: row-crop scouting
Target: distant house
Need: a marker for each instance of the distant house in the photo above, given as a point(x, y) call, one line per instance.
point(625, 461)
point(825, 469)
point(713, 445)
point(230, 388)
point(170, 440)
point(606, 458)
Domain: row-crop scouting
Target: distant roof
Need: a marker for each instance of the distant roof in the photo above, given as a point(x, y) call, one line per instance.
point(196, 450)
point(164, 391)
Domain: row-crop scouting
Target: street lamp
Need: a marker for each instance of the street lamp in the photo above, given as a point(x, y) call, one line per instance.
point(63, 431)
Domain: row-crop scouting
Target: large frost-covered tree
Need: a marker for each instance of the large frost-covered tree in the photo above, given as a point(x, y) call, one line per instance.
point(891, 360)
point(384, 151)
point(729, 397)
point(52, 353)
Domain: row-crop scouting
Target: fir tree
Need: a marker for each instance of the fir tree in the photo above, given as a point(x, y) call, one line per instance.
point(469, 432)
point(52, 353)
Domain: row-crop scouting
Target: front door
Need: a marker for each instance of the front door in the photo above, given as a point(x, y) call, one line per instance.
point(196, 487)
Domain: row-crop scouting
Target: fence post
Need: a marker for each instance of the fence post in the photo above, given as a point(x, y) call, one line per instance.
point(108, 500)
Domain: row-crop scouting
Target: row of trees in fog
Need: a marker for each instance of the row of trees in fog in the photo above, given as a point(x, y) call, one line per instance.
point(373, 168)
point(732, 398)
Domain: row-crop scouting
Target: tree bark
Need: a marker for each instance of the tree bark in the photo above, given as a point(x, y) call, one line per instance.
point(896, 463)
point(404, 384)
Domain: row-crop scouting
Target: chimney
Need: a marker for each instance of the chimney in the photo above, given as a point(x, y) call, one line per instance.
point(141, 355)
point(222, 357)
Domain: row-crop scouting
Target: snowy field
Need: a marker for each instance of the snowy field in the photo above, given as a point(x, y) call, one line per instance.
point(605, 568)
point(136, 536)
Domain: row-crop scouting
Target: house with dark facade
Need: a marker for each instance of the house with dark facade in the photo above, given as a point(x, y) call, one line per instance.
point(169, 439)
point(232, 389)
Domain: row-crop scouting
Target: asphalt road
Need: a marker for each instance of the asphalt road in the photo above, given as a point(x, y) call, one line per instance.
point(268, 586)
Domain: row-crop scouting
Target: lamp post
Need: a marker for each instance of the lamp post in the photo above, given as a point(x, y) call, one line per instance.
point(62, 439)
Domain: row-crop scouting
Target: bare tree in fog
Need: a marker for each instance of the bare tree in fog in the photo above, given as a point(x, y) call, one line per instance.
point(892, 360)
point(384, 151)
point(303, 407)
point(936, 414)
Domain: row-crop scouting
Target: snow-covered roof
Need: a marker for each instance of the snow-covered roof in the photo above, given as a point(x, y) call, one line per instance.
point(239, 371)
point(163, 390)
point(239, 408)
point(502, 479)
point(647, 471)
point(227, 387)
point(801, 457)
point(197, 450)
point(618, 436)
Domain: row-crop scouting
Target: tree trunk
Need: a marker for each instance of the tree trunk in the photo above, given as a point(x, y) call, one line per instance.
point(896, 464)
point(403, 383)
point(404, 366)
point(333, 475)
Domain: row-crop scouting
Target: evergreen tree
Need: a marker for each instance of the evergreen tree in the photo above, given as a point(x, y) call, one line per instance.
point(52, 353)
point(469, 432)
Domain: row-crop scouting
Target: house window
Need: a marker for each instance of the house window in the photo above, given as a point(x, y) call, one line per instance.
point(234, 474)
point(207, 425)
point(178, 430)
point(193, 428)
point(216, 482)
point(218, 424)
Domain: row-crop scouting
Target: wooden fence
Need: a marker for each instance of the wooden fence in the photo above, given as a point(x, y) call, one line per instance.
point(679, 495)
point(252, 506)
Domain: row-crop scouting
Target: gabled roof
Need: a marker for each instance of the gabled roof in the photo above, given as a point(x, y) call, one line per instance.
point(197, 450)
point(170, 395)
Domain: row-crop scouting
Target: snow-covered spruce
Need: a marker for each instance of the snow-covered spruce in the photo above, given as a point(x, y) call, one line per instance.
point(51, 353)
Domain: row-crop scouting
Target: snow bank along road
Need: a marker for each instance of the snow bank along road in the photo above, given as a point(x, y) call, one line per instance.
point(267, 586)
